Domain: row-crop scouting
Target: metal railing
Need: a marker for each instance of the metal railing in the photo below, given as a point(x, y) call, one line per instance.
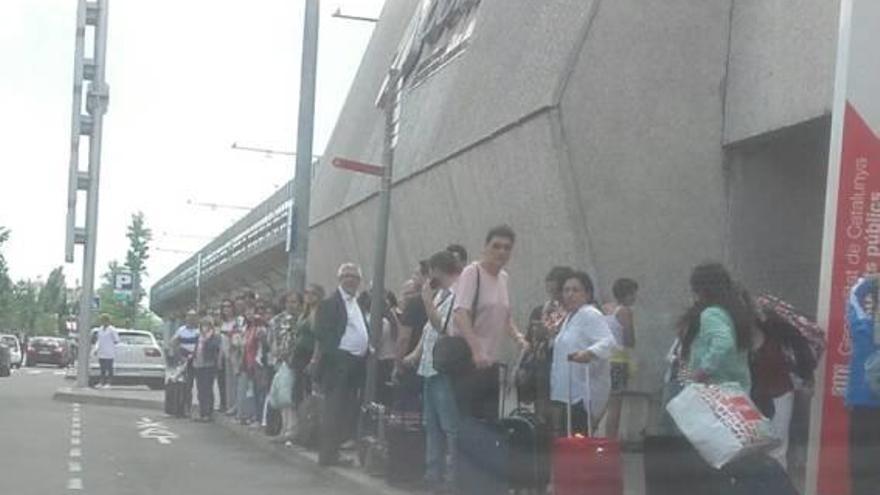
point(263, 227)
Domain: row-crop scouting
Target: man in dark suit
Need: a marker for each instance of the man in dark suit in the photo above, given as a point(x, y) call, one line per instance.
point(340, 362)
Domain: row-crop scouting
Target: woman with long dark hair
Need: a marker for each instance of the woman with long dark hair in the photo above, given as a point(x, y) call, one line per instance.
point(716, 332)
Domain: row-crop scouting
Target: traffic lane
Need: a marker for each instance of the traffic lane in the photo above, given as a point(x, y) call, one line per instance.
point(140, 452)
point(34, 433)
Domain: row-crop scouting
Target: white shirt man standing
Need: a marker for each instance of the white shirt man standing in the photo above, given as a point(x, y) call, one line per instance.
point(340, 361)
point(107, 339)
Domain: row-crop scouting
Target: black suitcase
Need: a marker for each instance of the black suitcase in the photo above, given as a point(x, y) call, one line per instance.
point(372, 442)
point(529, 443)
point(273, 421)
point(175, 395)
point(308, 422)
point(674, 467)
point(405, 437)
point(482, 461)
point(757, 475)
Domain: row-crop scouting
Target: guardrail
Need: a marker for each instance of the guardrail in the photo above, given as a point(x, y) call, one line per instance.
point(264, 226)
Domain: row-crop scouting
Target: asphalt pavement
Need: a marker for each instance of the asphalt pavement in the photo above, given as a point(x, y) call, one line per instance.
point(57, 447)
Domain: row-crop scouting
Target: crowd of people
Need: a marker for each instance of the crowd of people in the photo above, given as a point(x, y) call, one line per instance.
point(441, 352)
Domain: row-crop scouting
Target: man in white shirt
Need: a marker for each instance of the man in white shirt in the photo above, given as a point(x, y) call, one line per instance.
point(107, 339)
point(340, 361)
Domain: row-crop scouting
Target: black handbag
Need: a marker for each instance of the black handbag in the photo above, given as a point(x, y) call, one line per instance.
point(452, 354)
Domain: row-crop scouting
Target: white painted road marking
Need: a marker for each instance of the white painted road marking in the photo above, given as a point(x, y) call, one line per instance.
point(155, 430)
point(74, 466)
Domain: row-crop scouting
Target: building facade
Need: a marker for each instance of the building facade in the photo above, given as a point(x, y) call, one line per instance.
point(627, 138)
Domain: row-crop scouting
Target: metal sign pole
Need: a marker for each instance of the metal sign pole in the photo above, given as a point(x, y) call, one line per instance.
point(95, 14)
point(377, 299)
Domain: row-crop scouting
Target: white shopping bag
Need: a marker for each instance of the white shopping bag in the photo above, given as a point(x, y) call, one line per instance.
point(721, 422)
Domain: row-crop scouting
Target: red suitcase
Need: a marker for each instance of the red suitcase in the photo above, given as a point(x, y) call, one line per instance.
point(586, 465)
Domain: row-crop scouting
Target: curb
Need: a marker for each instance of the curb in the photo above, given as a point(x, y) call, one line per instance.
point(70, 394)
point(360, 481)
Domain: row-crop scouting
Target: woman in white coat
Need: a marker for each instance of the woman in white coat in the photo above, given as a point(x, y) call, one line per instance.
point(582, 348)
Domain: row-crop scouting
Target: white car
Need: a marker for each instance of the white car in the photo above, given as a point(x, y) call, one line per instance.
point(14, 346)
point(139, 360)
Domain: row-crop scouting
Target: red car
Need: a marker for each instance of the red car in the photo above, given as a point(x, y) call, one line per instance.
point(48, 350)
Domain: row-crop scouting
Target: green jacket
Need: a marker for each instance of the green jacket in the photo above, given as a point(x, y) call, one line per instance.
point(714, 350)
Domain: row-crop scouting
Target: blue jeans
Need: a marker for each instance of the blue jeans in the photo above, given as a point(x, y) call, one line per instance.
point(440, 417)
point(247, 406)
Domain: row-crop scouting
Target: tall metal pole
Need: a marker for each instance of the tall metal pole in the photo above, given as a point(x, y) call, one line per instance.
point(377, 296)
point(298, 215)
point(96, 105)
point(199, 281)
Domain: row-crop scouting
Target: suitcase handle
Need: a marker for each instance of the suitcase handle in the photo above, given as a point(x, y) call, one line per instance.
point(587, 401)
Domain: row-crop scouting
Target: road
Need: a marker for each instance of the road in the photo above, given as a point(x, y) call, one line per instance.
point(57, 447)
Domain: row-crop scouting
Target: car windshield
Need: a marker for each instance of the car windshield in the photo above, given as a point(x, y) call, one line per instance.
point(8, 340)
point(45, 341)
point(135, 339)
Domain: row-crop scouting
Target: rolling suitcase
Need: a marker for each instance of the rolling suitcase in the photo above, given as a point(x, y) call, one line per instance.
point(482, 460)
point(757, 474)
point(308, 422)
point(272, 423)
point(529, 441)
point(673, 466)
point(406, 449)
point(372, 441)
point(586, 465)
point(175, 394)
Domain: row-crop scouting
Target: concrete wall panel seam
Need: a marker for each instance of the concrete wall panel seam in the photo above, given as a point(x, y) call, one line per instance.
point(726, 74)
point(580, 219)
point(575, 54)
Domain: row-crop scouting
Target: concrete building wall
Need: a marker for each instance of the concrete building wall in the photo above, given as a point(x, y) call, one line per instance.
point(781, 64)
point(642, 117)
point(777, 195)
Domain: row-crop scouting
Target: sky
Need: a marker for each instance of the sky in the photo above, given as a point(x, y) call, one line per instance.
point(187, 79)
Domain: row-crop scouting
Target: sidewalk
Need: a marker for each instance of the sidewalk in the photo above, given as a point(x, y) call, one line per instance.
point(141, 398)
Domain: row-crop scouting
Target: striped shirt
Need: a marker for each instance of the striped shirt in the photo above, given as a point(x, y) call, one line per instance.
point(188, 338)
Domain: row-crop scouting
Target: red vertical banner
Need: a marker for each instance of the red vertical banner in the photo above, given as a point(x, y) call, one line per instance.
point(851, 245)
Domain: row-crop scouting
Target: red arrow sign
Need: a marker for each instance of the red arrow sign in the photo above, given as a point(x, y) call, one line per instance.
point(364, 168)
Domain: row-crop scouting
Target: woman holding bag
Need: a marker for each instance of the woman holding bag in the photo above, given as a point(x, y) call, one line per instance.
point(717, 331)
point(585, 339)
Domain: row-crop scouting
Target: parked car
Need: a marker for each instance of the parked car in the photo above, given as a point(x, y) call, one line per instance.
point(48, 350)
point(12, 343)
point(139, 360)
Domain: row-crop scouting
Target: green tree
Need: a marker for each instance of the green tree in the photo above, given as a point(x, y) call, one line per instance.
point(26, 315)
point(5, 284)
point(139, 237)
point(53, 298)
point(109, 304)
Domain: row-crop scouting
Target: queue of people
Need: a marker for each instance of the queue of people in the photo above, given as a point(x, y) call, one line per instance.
point(441, 356)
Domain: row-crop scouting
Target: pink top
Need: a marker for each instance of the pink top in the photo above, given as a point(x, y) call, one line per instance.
point(493, 306)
